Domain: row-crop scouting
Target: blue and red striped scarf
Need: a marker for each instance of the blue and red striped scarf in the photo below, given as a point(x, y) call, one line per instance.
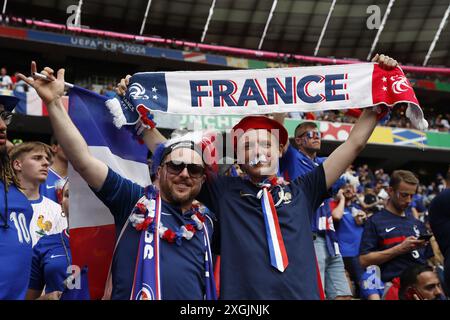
point(146, 283)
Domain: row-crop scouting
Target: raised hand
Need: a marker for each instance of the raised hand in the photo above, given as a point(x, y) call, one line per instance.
point(385, 62)
point(410, 244)
point(49, 90)
point(123, 85)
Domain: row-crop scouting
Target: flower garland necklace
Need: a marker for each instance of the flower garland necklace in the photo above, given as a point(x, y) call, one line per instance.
point(142, 218)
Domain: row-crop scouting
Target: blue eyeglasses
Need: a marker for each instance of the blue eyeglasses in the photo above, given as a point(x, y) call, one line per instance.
point(311, 134)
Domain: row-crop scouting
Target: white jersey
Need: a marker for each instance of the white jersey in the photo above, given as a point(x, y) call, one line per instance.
point(47, 219)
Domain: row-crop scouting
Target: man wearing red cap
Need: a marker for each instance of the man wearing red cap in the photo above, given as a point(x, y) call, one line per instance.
point(266, 242)
point(265, 236)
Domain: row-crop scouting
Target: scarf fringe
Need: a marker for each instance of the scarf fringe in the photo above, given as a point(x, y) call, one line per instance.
point(115, 109)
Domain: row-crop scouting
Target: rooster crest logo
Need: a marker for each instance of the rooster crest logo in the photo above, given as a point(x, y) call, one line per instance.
point(400, 84)
point(44, 226)
point(137, 91)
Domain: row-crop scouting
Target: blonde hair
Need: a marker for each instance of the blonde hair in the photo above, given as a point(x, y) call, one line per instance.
point(16, 152)
point(27, 147)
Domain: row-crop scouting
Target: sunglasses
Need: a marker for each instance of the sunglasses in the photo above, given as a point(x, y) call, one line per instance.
point(6, 116)
point(194, 170)
point(311, 134)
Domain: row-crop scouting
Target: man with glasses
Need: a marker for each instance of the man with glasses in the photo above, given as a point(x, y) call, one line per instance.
point(15, 217)
point(393, 239)
point(184, 232)
point(298, 160)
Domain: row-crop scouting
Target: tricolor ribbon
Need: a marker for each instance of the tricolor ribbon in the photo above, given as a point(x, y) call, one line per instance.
point(146, 283)
point(146, 218)
point(277, 250)
point(210, 282)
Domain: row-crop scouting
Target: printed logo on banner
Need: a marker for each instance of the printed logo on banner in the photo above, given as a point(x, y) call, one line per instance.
point(147, 90)
point(145, 87)
point(137, 91)
point(400, 84)
point(269, 91)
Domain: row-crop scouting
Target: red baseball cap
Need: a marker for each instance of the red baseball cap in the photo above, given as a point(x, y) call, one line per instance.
point(261, 122)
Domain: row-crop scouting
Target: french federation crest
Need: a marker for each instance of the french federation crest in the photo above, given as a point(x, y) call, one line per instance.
point(416, 231)
point(146, 293)
point(400, 84)
point(137, 91)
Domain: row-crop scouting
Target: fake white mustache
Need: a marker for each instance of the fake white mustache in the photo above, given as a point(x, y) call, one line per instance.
point(257, 160)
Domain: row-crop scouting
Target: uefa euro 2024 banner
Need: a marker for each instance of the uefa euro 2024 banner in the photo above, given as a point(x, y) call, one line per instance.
point(240, 92)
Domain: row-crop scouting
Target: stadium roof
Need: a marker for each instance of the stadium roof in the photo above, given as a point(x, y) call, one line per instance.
point(295, 27)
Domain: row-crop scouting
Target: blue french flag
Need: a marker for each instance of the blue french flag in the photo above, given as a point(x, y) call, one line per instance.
point(92, 226)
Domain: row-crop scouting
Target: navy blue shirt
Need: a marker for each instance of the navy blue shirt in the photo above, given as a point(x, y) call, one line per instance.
point(50, 262)
point(385, 230)
point(182, 267)
point(15, 244)
point(440, 220)
point(245, 270)
point(294, 164)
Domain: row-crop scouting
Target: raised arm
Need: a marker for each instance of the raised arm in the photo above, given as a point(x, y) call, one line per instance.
point(92, 170)
point(346, 153)
point(338, 212)
point(151, 137)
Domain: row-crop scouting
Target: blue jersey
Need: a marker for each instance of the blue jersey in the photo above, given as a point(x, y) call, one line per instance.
point(294, 163)
point(349, 233)
point(15, 244)
point(50, 262)
point(48, 188)
point(245, 269)
point(385, 230)
point(182, 267)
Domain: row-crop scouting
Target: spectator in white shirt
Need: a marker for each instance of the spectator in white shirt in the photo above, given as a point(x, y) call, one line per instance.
point(5, 80)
